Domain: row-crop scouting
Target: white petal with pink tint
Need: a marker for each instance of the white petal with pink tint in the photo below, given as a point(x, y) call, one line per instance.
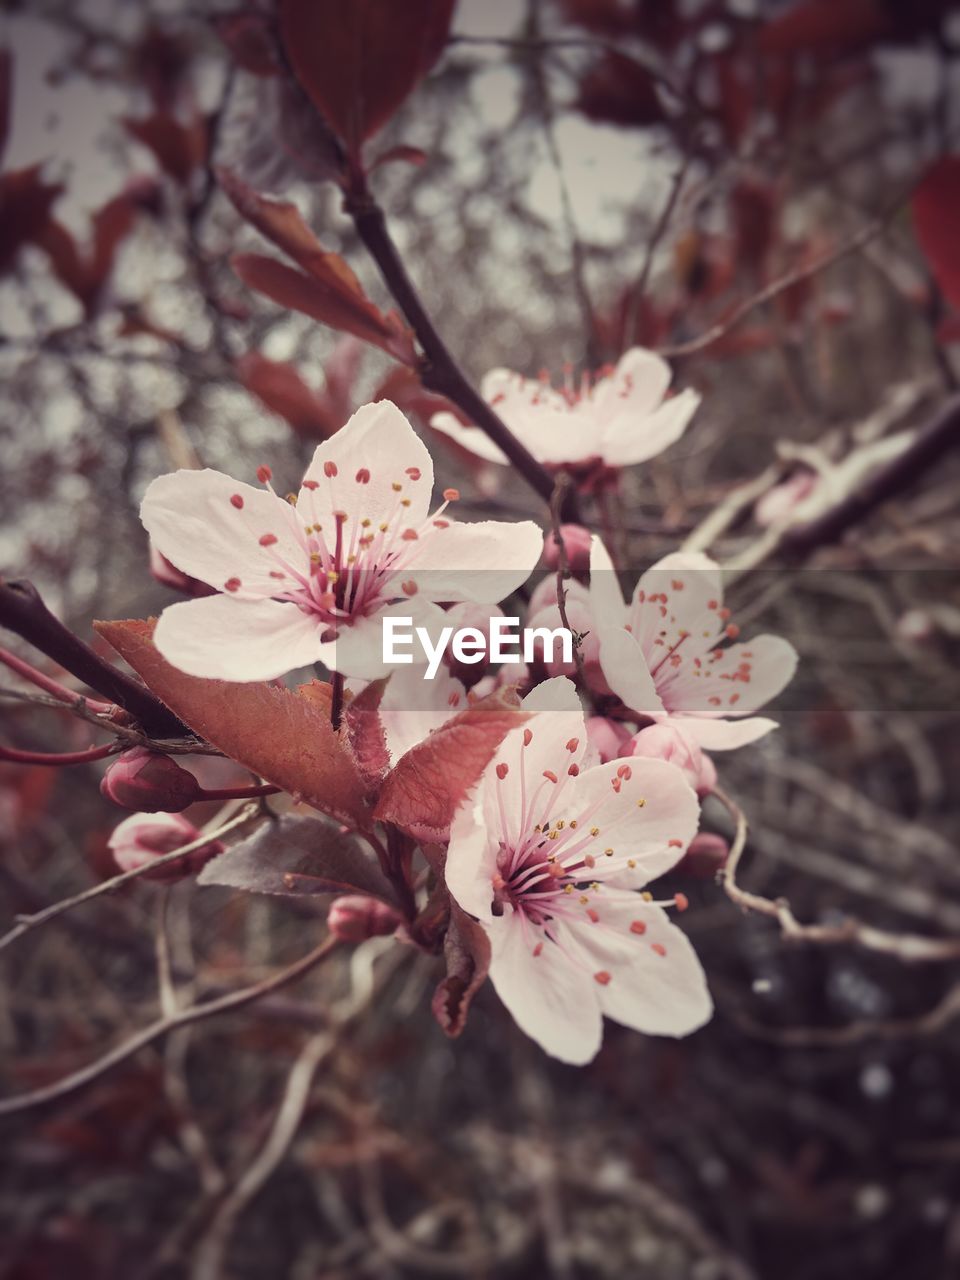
point(470, 437)
point(483, 561)
point(220, 638)
point(627, 440)
point(626, 671)
point(210, 527)
point(724, 735)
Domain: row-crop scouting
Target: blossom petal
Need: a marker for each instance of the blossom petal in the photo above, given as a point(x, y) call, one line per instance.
point(643, 810)
point(358, 647)
point(735, 681)
point(551, 998)
point(678, 598)
point(626, 672)
point(210, 526)
point(413, 706)
point(629, 439)
point(635, 388)
point(724, 735)
point(221, 638)
point(471, 438)
point(368, 469)
point(656, 984)
point(472, 855)
point(483, 562)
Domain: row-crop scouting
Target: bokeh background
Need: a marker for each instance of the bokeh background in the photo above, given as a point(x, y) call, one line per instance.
point(739, 183)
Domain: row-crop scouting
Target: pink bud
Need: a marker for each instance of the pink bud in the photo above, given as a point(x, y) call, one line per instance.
point(170, 576)
point(607, 736)
point(145, 836)
point(783, 499)
point(576, 543)
point(355, 918)
point(706, 855)
point(667, 742)
point(150, 783)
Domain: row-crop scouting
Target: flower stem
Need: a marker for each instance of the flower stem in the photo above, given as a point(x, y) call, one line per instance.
point(49, 685)
point(239, 793)
point(57, 758)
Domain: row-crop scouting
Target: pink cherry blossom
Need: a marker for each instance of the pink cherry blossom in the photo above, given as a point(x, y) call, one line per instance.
point(668, 741)
point(310, 580)
point(619, 418)
point(669, 653)
point(547, 853)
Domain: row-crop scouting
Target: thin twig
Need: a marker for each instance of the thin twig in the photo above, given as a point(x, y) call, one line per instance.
point(163, 1026)
point(26, 923)
point(563, 569)
point(908, 947)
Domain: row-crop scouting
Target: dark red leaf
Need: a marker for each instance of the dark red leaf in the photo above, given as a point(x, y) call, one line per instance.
point(284, 737)
point(753, 208)
point(365, 732)
point(825, 26)
point(619, 90)
point(359, 61)
point(251, 39)
point(297, 856)
point(25, 204)
point(85, 271)
point(936, 217)
point(423, 791)
point(280, 387)
point(180, 148)
point(467, 952)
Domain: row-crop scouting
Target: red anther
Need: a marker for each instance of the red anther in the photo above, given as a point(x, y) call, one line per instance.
point(574, 770)
point(409, 535)
point(527, 737)
point(681, 902)
point(413, 473)
point(355, 918)
point(593, 915)
point(602, 977)
point(409, 588)
point(734, 698)
point(674, 844)
point(267, 539)
point(538, 949)
point(550, 775)
point(625, 772)
point(589, 860)
point(638, 926)
point(713, 604)
point(451, 495)
point(441, 524)
point(329, 469)
point(572, 744)
point(236, 500)
point(723, 614)
point(676, 584)
point(149, 782)
point(502, 771)
point(362, 476)
point(453, 700)
point(659, 948)
point(616, 783)
point(732, 631)
point(311, 484)
point(232, 584)
point(264, 474)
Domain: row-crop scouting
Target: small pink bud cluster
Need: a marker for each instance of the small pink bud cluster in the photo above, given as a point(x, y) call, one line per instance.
point(576, 544)
point(355, 918)
point(143, 837)
point(149, 783)
point(706, 855)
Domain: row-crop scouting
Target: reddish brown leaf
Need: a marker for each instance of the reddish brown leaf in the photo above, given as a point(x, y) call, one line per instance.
point(25, 204)
point(180, 148)
point(619, 90)
point(85, 271)
point(365, 732)
point(331, 305)
point(466, 948)
point(251, 40)
point(422, 792)
point(820, 26)
point(284, 737)
point(358, 62)
point(297, 857)
point(753, 209)
point(280, 387)
point(936, 208)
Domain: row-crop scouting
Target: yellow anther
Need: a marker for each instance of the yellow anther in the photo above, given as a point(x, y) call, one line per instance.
point(594, 831)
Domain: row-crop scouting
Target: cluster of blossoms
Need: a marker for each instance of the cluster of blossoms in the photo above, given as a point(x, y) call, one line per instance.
point(552, 849)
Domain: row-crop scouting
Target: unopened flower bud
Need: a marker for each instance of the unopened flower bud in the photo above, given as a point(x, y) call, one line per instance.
point(779, 503)
point(607, 736)
point(143, 780)
point(143, 837)
point(706, 854)
point(576, 544)
point(666, 742)
point(355, 918)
